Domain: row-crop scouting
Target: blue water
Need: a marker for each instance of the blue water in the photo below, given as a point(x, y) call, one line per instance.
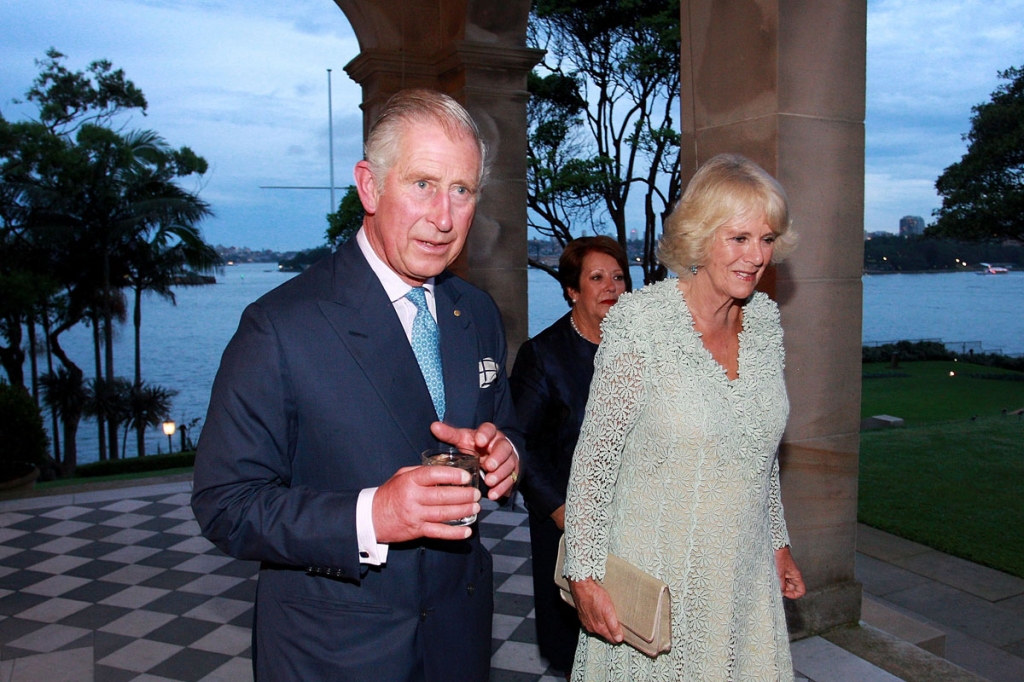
point(964, 307)
point(182, 344)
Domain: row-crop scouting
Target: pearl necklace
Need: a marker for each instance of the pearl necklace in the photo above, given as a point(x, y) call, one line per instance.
point(572, 321)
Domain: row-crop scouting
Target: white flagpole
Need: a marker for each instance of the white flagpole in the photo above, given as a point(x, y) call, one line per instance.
point(330, 135)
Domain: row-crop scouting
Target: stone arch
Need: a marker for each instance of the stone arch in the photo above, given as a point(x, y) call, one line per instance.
point(475, 51)
point(780, 82)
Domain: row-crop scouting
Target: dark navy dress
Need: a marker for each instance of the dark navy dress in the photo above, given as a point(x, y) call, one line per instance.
point(550, 384)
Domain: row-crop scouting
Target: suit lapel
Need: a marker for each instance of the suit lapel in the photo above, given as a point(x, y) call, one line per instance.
point(365, 321)
point(459, 353)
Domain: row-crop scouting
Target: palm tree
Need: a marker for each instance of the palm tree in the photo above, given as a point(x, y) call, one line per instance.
point(148, 406)
point(90, 197)
point(176, 247)
point(111, 213)
point(108, 399)
point(157, 266)
point(114, 192)
point(66, 396)
point(73, 188)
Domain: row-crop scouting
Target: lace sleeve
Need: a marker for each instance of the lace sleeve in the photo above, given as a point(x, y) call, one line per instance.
point(616, 395)
point(780, 535)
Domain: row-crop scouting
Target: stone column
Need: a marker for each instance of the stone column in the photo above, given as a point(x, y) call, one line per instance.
point(479, 58)
point(782, 82)
point(494, 92)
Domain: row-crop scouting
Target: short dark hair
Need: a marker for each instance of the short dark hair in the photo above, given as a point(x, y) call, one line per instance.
point(570, 263)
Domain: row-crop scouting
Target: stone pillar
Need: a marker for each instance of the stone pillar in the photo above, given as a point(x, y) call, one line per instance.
point(782, 82)
point(494, 91)
point(478, 56)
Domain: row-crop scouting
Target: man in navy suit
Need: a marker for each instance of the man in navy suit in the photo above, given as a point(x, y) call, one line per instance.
point(308, 460)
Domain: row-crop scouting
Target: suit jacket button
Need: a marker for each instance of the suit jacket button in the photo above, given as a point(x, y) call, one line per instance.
point(470, 589)
point(423, 615)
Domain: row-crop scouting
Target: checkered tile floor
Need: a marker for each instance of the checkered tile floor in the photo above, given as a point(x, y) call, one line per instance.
point(119, 585)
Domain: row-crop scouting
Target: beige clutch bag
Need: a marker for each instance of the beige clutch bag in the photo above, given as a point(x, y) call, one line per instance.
point(641, 603)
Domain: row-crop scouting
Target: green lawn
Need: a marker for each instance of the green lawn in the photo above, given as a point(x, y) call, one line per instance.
point(953, 479)
point(938, 391)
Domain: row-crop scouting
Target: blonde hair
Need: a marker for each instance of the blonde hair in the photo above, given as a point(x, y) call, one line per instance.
point(415, 106)
point(727, 187)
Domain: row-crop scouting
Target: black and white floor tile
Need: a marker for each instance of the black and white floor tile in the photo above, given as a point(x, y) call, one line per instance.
point(119, 586)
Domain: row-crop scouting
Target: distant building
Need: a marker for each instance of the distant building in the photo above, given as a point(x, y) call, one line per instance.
point(911, 226)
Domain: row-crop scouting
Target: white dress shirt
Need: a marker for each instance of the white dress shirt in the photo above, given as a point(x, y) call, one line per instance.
point(371, 551)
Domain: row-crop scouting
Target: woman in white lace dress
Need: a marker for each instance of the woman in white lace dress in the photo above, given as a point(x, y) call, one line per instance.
point(676, 468)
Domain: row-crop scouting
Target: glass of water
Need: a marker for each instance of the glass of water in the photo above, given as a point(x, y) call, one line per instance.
point(451, 456)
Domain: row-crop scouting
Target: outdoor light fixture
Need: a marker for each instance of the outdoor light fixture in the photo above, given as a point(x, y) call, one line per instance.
point(169, 428)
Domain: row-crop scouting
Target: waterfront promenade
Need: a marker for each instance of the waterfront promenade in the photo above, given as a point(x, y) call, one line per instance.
point(117, 585)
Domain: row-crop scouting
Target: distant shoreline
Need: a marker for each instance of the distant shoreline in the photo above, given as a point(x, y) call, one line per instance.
point(922, 272)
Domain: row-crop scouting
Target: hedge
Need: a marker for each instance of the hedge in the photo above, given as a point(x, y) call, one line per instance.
point(134, 465)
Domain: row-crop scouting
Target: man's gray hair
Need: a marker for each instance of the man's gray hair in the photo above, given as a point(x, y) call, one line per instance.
point(414, 106)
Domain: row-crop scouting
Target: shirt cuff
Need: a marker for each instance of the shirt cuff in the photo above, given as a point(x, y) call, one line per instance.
point(370, 551)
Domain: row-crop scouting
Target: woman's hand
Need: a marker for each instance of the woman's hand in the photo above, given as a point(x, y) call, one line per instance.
point(597, 614)
point(558, 516)
point(790, 578)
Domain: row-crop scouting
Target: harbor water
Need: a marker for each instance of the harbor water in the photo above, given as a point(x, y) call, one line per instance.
point(182, 344)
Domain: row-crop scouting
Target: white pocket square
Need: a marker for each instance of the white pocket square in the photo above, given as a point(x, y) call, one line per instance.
point(488, 370)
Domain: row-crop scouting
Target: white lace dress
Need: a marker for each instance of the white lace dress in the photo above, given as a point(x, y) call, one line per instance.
point(676, 472)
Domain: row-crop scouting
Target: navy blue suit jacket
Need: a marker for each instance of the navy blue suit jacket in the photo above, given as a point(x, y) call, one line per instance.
point(319, 396)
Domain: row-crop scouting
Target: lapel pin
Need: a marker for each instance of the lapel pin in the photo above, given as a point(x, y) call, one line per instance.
point(457, 312)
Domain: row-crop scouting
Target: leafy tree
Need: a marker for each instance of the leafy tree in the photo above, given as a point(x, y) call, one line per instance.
point(602, 137)
point(892, 253)
point(564, 185)
point(96, 210)
point(33, 153)
point(68, 100)
point(343, 224)
point(18, 293)
point(101, 196)
point(22, 436)
point(303, 259)
point(983, 193)
point(24, 276)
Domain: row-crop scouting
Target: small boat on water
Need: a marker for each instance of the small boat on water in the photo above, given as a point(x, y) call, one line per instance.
point(992, 269)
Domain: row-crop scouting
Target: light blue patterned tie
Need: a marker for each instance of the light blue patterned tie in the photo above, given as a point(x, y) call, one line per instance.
point(426, 346)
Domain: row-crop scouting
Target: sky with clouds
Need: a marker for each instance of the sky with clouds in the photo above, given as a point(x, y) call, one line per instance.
point(245, 85)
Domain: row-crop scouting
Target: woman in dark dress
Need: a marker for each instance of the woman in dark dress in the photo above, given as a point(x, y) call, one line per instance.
point(550, 383)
